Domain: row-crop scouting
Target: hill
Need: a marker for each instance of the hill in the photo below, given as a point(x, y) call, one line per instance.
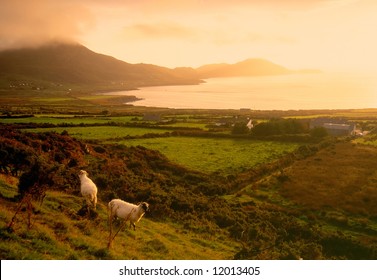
point(58, 231)
point(249, 67)
point(262, 213)
point(75, 64)
point(66, 65)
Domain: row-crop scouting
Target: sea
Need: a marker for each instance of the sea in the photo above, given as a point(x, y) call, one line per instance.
point(280, 92)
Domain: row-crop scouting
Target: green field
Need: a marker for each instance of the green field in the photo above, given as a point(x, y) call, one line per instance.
point(215, 155)
point(207, 155)
point(91, 120)
point(369, 140)
point(100, 132)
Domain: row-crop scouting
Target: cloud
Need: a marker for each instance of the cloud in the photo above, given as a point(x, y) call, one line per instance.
point(29, 23)
point(184, 6)
point(26, 23)
point(158, 30)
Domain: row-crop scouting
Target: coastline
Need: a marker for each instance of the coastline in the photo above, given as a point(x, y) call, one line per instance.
point(288, 92)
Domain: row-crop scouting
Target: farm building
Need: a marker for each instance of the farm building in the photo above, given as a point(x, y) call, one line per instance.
point(334, 127)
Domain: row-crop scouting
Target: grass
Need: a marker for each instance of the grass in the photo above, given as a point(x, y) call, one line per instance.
point(56, 100)
point(203, 154)
point(65, 119)
point(101, 132)
point(69, 119)
point(202, 126)
point(334, 189)
point(215, 155)
point(340, 177)
point(348, 113)
point(369, 141)
point(59, 233)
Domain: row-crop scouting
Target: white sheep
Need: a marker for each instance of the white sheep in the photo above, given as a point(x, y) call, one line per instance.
point(127, 211)
point(88, 189)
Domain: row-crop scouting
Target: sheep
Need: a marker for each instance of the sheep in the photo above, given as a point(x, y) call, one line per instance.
point(125, 211)
point(88, 189)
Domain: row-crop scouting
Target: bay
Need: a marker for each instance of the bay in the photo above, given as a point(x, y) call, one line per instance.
point(283, 92)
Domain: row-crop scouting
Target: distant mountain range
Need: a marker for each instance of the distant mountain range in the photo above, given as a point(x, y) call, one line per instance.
point(77, 65)
point(249, 67)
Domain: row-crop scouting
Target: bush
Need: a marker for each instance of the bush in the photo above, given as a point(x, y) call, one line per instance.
point(240, 128)
point(280, 127)
point(318, 132)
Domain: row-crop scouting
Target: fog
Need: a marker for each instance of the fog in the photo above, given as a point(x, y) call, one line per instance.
point(33, 23)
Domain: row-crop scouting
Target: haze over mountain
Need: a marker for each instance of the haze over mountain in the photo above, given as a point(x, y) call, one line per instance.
point(77, 65)
point(249, 67)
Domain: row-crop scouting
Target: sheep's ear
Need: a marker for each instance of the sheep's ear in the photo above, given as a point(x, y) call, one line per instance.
point(145, 206)
point(83, 172)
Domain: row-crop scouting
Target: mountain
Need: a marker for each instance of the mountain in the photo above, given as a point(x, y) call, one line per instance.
point(249, 67)
point(77, 65)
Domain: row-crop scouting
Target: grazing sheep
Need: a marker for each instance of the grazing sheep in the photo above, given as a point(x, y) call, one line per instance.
point(127, 211)
point(88, 189)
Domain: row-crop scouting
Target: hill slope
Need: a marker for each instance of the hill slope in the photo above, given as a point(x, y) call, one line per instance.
point(254, 215)
point(58, 232)
point(249, 67)
point(75, 64)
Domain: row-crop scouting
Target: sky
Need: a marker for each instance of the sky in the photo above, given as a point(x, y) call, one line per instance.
point(335, 35)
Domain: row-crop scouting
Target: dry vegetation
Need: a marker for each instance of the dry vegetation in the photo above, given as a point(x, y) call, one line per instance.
point(342, 176)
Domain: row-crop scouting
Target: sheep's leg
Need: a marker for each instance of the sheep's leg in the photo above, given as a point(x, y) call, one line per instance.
point(88, 210)
point(88, 203)
point(109, 245)
point(134, 226)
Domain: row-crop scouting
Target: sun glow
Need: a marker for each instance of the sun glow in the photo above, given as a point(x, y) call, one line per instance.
point(326, 34)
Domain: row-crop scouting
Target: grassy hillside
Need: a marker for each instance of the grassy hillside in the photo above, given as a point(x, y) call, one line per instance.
point(334, 189)
point(289, 206)
point(58, 232)
point(352, 188)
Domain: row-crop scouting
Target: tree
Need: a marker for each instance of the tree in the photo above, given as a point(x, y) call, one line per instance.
point(319, 132)
point(280, 127)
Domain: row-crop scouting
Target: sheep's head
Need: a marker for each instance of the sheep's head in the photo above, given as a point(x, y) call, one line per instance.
point(145, 206)
point(82, 173)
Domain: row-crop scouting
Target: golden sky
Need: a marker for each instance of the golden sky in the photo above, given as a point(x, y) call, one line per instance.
point(324, 34)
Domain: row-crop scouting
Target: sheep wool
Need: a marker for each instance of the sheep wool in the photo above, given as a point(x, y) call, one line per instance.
point(127, 211)
point(88, 189)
